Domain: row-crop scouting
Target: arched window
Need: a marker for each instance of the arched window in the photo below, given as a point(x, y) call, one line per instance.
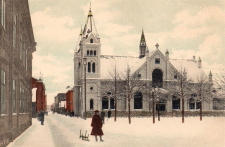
point(93, 67)
point(157, 78)
point(176, 102)
point(105, 103)
point(87, 52)
point(91, 104)
point(91, 40)
point(112, 103)
point(94, 53)
point(79, 64)
point(91, 53)
point(138, 100)
point(89, 67)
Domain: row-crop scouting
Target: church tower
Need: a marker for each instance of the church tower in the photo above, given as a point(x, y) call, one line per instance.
point(86, 63)
point(142, 46)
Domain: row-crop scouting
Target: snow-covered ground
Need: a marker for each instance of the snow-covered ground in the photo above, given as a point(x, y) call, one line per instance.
point(63, 131)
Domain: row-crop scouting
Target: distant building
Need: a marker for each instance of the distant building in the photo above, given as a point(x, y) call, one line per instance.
point(16, 47)
point(91, 76)
point(60, 101)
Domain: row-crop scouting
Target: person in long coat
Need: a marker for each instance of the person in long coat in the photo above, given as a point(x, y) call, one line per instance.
point(41, 117)
point(96, 124)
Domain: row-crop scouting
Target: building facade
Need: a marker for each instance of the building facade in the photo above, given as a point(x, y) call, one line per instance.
point(93, 78)
point(60, 102)
point(16, 47)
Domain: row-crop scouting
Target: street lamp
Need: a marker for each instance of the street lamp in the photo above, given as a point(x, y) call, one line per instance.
point(85, 63)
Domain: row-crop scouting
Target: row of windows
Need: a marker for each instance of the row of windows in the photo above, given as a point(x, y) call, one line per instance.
point(22, 43)
point(91, 67)
point(91, 52)
point(23, 96)
point(192, 104)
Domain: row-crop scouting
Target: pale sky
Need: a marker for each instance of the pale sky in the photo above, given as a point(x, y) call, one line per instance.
point(184, 27)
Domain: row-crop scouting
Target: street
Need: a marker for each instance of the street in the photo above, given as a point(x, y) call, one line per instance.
point(63, 131)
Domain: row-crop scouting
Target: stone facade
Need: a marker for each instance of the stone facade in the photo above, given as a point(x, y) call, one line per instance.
point(16, 47)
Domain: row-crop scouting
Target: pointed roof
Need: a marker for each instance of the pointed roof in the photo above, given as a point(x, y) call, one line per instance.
point(142, 41)
point(89, 26)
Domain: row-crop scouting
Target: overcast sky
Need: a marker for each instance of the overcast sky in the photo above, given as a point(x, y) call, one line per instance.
point(184, 27)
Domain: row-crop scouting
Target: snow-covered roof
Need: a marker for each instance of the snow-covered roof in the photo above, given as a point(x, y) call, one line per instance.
point(108, 64)
point(191, 67)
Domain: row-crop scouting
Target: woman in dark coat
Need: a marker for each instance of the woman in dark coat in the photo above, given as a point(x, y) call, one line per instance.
point(96, 124)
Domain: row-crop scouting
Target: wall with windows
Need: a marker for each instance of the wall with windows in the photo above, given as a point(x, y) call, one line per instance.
point(16, 47)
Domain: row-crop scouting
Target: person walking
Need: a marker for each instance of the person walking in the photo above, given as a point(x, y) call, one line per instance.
point(109, 113)
point(103, 117)
point(41, 116)
point(96, 124)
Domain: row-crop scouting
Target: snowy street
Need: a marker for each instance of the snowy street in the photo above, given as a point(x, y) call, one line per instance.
point(63, 131)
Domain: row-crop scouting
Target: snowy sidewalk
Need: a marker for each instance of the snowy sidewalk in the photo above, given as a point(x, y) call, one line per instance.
point(35, 136)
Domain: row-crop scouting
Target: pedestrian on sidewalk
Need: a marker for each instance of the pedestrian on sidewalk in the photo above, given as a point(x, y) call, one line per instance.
point(109, 113)
point(96, 124)
point(41, 116)
point(103, 116)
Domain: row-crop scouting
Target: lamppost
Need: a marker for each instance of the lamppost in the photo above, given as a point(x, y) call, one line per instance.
point(85, 63)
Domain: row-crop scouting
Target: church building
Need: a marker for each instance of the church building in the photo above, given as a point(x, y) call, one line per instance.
point(92, 72)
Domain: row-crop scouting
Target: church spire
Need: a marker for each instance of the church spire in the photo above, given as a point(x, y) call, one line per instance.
point(89, 27)
point(142, 46)
point(142, 41)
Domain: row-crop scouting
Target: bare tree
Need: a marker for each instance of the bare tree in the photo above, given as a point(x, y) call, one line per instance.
point(112, 88)
point(157, 95)
point(221, 79)
point(181, 86)
point(133, 85)
point(201, 88)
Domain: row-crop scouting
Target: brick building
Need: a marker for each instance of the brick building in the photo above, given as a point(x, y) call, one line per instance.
point(69, 103)
point(41, 98)
point(16, 47)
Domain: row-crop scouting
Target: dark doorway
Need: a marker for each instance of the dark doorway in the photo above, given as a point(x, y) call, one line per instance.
point(112, 103)
point(138, 100)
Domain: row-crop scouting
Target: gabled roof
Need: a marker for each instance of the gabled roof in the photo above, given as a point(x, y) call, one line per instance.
point(108, 64)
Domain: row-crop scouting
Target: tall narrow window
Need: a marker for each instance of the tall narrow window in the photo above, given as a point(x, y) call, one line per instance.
point(94, 53)
point(3, 92)
point(87, 52)
point(176, 102)
point(91, 40)
point(26, 59)
point(138, 100)
point(91, 104)
point(3, 13)
point(20, 101)
point(105, 103)
point(91, 53)
point(112, 105)
point(89, 67)
point(14, 97)
point(93, 67)
point(21, 47)
point(14, 31)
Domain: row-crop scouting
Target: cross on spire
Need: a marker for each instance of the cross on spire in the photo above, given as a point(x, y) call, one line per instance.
point(157, 45)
